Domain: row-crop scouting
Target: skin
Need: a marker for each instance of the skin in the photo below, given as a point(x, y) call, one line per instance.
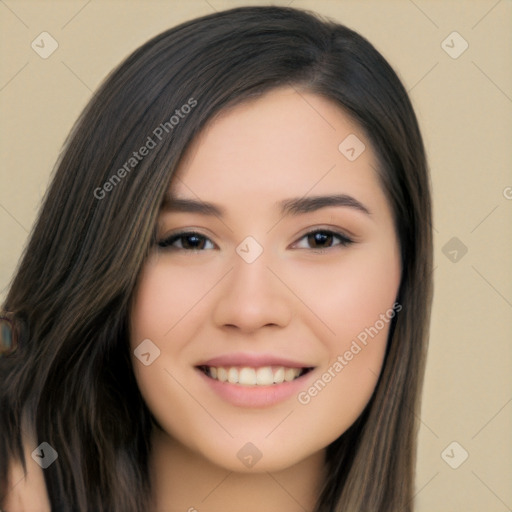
point(295, 300)
point(27, 492)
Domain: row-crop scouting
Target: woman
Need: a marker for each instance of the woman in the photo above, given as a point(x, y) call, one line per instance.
point(225, 299)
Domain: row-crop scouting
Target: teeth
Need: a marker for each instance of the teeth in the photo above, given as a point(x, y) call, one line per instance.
point(222, 374)
point(279, 375)
point(233, 376)
point(246, 376)
point(289, 374)
point(264, 376)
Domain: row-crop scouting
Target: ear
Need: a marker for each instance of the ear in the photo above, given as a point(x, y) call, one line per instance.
point(8, 334)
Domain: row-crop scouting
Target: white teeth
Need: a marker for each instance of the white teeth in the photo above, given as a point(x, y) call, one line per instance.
point(233, 376)
point(264, 376)
point(279, 375)
point(247, 376)
point(290, 374)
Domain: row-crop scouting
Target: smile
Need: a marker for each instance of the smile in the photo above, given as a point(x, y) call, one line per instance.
point(251, 377)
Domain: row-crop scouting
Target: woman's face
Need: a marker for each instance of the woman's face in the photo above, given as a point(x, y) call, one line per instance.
point(260, 322)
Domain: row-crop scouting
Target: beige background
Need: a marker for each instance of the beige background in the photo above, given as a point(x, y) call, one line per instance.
point(464, 107)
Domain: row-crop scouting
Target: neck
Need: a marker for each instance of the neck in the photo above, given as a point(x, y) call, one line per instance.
point(184, 480)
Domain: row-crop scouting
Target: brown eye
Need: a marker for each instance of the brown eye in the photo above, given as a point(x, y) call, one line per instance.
point(192, 242)
point(187, 241)
point(320, 239)
point(323, 239)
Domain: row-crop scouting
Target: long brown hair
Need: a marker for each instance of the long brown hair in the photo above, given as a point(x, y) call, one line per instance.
point(70, 380)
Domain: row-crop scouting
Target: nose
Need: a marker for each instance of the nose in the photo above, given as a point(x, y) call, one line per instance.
point(252, 298)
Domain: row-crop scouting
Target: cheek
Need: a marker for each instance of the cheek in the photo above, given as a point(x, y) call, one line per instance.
point(166, 299)
point(349, 295)
point(356, 301)
point(161, 304)
point(167, 310)
point(369, 289)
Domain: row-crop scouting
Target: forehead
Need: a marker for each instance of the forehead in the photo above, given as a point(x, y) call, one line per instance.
point(285, 143)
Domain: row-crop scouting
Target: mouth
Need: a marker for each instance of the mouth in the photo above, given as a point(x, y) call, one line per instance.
point(248, 376)
point(254, 380)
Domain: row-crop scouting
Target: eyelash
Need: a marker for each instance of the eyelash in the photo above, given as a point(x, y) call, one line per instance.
point(168, 242)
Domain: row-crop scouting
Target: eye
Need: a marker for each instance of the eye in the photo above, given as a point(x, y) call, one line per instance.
point(187, 241)
point(322, 239)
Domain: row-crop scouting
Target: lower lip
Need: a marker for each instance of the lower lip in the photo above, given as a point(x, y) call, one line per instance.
point(256, 396)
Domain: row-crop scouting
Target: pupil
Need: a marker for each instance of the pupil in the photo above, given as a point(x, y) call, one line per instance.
point(320, 239)
point(193, 241)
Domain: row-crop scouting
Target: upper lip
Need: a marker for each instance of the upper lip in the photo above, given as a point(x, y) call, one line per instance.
point(253, 360)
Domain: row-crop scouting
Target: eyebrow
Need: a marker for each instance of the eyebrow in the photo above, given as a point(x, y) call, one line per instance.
point(295, 206)
point(311, 204)
point(175, 204)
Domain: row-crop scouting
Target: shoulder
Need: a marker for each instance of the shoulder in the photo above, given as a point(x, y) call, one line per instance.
point(26, 492)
